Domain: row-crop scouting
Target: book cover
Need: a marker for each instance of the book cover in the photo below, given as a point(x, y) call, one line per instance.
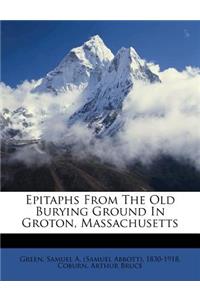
point(100, 148)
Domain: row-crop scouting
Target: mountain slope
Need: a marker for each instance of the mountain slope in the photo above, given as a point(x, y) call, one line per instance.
point(106, 102)
point(67, 174)
point(18, 124)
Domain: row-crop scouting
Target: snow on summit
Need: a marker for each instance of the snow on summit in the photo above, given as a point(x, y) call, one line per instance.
point(74, 71)
point(106, 101)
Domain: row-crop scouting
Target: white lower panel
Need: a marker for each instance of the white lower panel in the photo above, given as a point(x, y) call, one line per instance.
point(100, 212)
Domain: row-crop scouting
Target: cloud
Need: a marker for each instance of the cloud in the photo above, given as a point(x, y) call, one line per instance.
point(159, 119)
point(163, 118)
point(31, 155)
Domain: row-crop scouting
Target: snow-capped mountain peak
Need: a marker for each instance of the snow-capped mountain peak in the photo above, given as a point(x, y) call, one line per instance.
point(128, 61)
point(75, 69)
point(106, 102)
point(128, 56)
point(96, 51)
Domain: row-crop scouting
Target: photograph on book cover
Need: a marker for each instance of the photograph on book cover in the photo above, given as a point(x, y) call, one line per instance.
point(94, 116)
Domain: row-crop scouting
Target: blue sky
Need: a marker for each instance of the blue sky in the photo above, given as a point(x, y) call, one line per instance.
point(30, 49)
